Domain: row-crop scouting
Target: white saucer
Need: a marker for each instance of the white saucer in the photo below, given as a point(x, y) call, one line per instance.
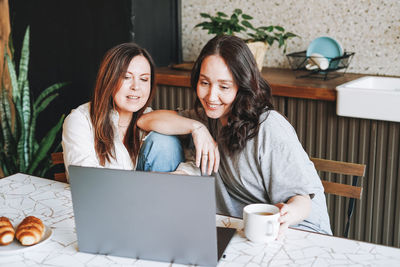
point(16, 247)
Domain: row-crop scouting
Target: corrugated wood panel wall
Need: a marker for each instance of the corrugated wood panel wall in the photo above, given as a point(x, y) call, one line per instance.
point(325, 135)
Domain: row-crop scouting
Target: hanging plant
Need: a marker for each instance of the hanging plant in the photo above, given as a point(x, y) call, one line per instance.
point(19, 149)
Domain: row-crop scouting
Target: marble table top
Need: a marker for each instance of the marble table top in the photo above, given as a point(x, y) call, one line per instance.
point(22, 195)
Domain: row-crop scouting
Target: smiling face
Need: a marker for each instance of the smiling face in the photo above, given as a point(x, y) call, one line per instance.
point(135, 88)
point(216, 88)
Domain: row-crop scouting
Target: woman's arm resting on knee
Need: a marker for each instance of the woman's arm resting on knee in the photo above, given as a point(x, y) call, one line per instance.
point(294, 211)
point(167, 122)
point(170, 123)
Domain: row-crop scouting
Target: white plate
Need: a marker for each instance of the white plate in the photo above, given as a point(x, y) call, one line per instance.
point(325, 46)
point(16, 247)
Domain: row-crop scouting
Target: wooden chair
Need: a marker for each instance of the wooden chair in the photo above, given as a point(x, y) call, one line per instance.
point(351, 191)
point(57, 159)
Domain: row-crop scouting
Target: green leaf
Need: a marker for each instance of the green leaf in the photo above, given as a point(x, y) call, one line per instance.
point(240, 28)
point(31, 136)
point(7, 141)
point(45, 145)
point(21, 152)
point(270, 40)
point(35, 113)
point(247, 24)
point(44, 167)
point(234, 18)
point(238, 11)
point(222, 14)
point(20, 137)
point(5, 119)
point(44, 104)
point(268, 28)
point(201, 24)
point(244, 16)
point(205, 15)
point(13, 77)
point(10, 45)
point(3, 165)
point(48, 91)
point(218, 20)
point(290, 35)
point(5, 107)
point(279, 28)
point(26, 115)
point(281, 41)
point(24, 61)
point(8, 164)
point(48, 163)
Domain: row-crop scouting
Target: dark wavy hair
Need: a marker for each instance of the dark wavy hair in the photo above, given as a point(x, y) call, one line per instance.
point(109, 79)
point(254, 93)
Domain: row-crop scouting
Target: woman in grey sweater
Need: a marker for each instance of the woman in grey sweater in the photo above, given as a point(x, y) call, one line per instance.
point(253, 150)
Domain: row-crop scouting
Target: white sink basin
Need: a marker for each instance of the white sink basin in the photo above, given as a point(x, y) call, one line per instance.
point(370, 97)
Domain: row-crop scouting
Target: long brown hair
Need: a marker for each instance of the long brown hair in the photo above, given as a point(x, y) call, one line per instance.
point(254, 93)
point(109, 79)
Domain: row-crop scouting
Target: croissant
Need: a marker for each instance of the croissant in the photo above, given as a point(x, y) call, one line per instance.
point(6, 231)
point(30, 231)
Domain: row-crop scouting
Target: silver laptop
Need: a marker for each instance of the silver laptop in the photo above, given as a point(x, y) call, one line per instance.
point(147, 215)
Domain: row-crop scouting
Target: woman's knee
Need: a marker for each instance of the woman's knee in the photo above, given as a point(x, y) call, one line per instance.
point(160, 153)
point(163, 143)
point(162, 148)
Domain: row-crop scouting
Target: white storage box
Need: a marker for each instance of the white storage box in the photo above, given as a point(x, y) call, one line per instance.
point(370, 97)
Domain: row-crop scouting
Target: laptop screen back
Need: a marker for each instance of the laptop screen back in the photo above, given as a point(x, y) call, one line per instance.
point(154, 216)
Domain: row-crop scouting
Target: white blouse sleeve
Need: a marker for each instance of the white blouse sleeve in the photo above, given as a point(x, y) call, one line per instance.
point(78, 141)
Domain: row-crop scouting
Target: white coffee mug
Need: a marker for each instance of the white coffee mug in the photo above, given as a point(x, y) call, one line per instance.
point(317, 61)
point(261, 222)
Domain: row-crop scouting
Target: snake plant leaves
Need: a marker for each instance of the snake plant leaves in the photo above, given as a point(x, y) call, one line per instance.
point(5, 117)
point(37, 109)
point(13, 78)
point(8, 152)
point(39, 103)
point(45, 145)
point(24, 61)
point(26, 116)
point(19, 149)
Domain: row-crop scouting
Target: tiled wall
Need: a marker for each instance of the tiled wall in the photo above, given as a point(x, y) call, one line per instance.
point(370, 28)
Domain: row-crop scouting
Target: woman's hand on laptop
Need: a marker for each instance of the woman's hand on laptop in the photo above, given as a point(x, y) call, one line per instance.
point(207, 153)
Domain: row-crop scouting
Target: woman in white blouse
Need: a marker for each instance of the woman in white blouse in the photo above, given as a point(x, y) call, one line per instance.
point(104, 132)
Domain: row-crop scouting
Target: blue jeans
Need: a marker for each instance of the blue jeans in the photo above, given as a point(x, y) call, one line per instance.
point(160, 153)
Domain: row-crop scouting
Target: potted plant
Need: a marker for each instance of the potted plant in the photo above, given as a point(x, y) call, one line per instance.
point(257, 38)
point(264, 36)
point(19, 149)
point(221, 24)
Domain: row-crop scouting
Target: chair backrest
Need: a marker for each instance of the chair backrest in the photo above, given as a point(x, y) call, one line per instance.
point(351, 191)
point(339, 167)
point(58, 158)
